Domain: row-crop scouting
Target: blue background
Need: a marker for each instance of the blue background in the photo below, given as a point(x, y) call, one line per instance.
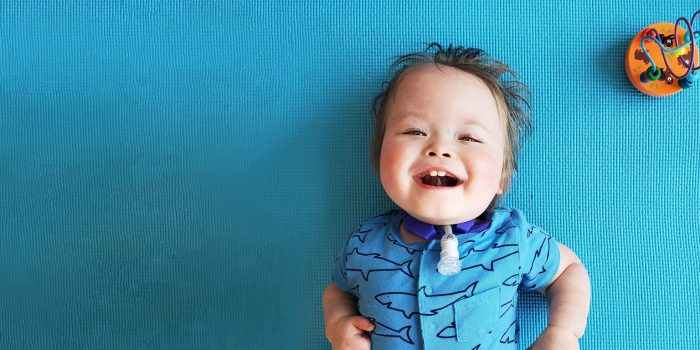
point(180, 175)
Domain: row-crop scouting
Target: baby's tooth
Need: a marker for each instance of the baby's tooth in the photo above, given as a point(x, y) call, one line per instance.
point(441, 173)
point(433, 173)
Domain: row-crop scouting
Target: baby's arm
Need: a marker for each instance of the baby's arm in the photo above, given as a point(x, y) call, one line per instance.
point(568, 298)
point(345, 328)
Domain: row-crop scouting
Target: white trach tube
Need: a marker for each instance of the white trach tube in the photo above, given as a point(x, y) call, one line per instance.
point(449, 255)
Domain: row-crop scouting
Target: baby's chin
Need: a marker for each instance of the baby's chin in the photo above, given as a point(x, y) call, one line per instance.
point(443, 216)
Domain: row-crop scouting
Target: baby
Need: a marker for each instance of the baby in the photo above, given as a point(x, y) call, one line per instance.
point(445, 142)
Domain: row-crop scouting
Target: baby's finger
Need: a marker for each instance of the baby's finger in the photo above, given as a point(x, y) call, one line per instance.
point(356, 339)
point(361, 342)
point(354, 343)
point(362, 323)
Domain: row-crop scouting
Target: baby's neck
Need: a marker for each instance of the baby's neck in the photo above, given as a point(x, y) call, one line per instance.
point(410, 237)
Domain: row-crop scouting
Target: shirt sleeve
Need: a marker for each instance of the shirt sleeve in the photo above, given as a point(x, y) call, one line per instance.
point(339, 275)
point(539, 254)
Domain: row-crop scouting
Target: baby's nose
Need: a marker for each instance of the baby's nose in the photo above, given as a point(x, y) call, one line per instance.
point(433, 154)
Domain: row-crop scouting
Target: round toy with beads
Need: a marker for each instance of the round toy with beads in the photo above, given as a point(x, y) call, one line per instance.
point(663, 58)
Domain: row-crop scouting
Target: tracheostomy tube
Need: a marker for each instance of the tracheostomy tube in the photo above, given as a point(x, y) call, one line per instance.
point(449, 255)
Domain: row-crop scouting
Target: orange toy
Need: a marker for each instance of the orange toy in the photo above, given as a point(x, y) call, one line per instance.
point(655, 79)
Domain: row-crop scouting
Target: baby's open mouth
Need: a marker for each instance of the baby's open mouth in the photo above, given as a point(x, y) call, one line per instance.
point(438, 178)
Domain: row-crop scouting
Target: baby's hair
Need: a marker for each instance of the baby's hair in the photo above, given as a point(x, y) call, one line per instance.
point(511, 97)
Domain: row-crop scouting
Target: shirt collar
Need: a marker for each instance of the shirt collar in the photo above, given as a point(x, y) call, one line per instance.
point(428, 231)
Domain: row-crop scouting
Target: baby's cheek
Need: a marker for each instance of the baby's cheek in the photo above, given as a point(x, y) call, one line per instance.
point(390, 166)
point(389, 160)
point(489, 165)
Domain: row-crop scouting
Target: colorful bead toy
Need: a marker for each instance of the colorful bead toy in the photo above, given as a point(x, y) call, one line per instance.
point(661, 43)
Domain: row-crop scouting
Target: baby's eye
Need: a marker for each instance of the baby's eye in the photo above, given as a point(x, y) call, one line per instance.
point(415, 132)
point(469, 139)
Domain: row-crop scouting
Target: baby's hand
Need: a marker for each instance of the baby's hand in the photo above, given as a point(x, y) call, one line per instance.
point(556, 338)
point(349, 333)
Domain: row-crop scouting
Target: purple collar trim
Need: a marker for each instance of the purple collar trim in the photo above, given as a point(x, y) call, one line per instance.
point(428, 231)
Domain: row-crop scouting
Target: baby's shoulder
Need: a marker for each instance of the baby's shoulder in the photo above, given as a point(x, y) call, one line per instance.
point(508, 220)
point(379, 221)
point(374, 228)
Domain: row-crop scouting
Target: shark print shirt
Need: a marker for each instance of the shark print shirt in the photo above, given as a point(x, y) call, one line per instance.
point(397, 285)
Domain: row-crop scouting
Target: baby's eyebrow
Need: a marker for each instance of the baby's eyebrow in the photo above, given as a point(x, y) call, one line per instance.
point(407, 117)
point(403, 115)
point(476, 123)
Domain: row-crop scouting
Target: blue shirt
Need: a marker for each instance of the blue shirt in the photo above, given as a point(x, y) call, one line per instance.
point(398, 287)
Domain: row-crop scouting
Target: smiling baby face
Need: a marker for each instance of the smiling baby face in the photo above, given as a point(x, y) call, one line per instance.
point(442, 153)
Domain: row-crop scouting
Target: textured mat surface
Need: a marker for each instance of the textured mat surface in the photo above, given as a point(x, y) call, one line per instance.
point(180, 175)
